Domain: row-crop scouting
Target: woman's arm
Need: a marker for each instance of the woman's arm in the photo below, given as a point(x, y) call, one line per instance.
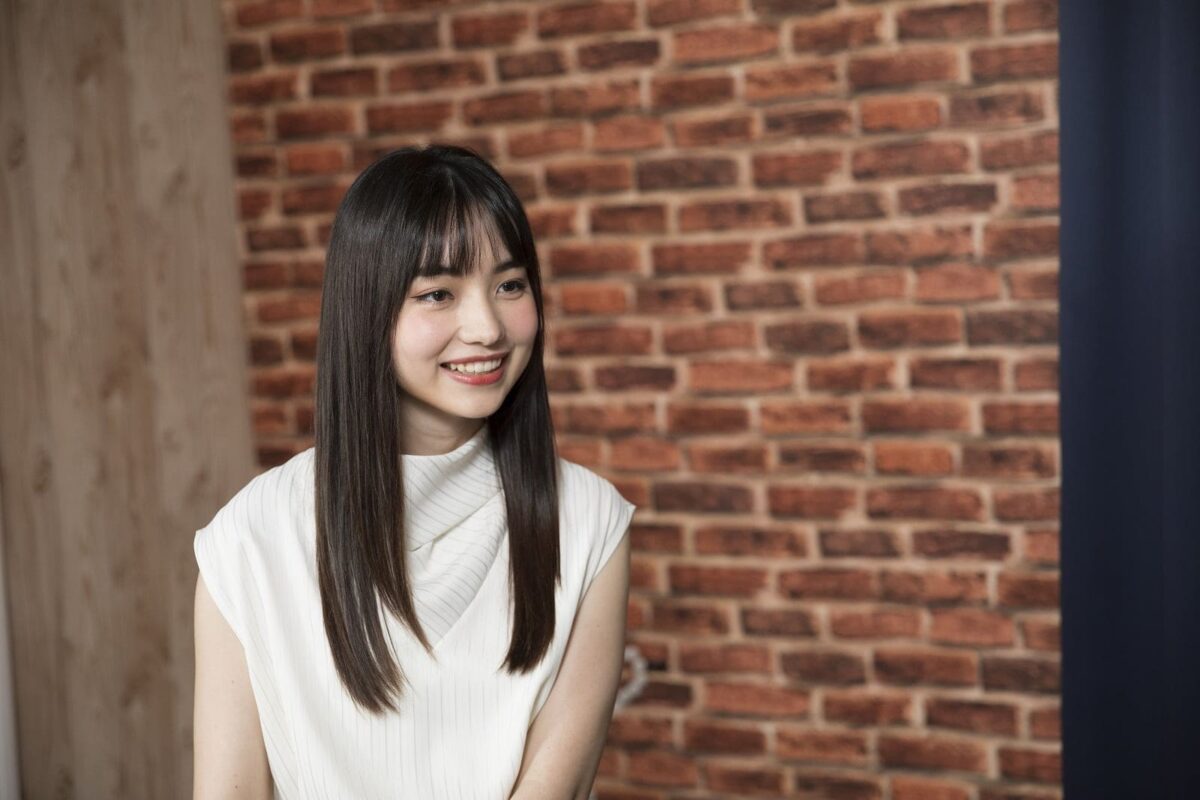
point(230, 758)
point(566, 739)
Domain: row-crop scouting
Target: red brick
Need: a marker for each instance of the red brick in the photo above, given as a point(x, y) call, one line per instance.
point(903, 114)
point(574, 178)
point(822, 746)
point(875, 624)
point(1016, 327)
point(733, 781)
point(606, 55)
point(627, 219)
point(961, 20)
point(932, 586)
point(911, 328)
point(914, 158)
point(504, 107)
point(307, 45)
point(701, 496)
point(725, 43)
point(863, 708)
point(265, 12)
point(718, 581)
point(865, 287)
point(662, 768)
point(1028, 764)
point(807, 458)
point(603, 340)
point(628, 133)
point(924, 502)
point(961, 374)
point(734, 540)
point(688, 259)
point(726, 658)
point(828, 34)
point(810, 503)
point(967, 715)
point(751, 459)
point(575, 18)
point(707, 736)
point(791, 81)
point(714, 132)
point(696, 418)
point(760, 700)
point(708, 336)
point(912, 458)
point(933, 752)
point(910, 788)
point(957, 283)
point(1004, 673)
point(1031, 15)
point(814, 336)
point(958, 544)
point(597, 98)
point(394, 37)
point(670, 12)
point(1015, 62)
point(830, 121)
point(778, 622)
point(409, 117)
point(919, 245)
point(488, 30)
point(858, 543)
point(635, 378)
point(826, 667)
point(673, 299)
point(907, 667)
point(686, 173)
point(976, 627)
point(794, 169)
point(723, 215)
point(828, 583)
point(647, 452)
point(674, 617)
point(1024, 150)
point(813, 250)
point(536, 64)
point(610, 418)
point(545, 141)
point(741, 376)
point(906, 68)
point(679, 91)
point(947, 198)
point(844, 206)
point(419, 76)
point(995, 109)
point(313, 122)
point(850, 374)
point(805, 416)
point(1015, 462)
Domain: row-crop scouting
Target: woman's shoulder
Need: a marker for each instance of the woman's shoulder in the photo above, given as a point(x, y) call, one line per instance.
point(580, 484)
point(271, 497)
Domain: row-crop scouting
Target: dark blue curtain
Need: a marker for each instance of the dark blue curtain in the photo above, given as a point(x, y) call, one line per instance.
point(1130, 397)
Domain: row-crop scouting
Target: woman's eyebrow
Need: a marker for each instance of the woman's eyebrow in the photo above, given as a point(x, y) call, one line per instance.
point(443, 269)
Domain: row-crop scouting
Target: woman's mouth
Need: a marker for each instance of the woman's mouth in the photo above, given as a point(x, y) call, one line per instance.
point(478, 373)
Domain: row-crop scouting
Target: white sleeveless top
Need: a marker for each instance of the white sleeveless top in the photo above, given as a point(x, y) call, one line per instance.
point(462, 721)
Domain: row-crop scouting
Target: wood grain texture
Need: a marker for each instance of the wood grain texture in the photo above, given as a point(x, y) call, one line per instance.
point(124, 421)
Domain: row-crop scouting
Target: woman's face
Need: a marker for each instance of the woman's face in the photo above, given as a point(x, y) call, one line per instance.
point(446, 318)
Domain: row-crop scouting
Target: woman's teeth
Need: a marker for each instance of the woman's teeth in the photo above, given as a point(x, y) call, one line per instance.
point(477, 368)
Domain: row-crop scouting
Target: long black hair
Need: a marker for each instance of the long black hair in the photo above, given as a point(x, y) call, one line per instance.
point(400, 218)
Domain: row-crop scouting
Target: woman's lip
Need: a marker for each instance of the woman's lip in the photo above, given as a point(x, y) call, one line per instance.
point(500, 356)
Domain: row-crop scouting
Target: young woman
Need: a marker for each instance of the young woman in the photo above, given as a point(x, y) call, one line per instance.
point(430, 602)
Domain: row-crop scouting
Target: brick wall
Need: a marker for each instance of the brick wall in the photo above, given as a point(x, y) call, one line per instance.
point(801, 264)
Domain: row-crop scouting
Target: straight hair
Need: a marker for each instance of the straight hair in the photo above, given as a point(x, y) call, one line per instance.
point(410, 212)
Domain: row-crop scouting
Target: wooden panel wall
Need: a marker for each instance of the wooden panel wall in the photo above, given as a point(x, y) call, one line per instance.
point(123, 420)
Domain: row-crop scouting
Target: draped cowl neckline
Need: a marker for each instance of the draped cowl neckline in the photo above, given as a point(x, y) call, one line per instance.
point(454, 521)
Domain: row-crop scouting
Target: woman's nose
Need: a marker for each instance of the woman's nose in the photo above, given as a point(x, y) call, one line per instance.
point(480, 321)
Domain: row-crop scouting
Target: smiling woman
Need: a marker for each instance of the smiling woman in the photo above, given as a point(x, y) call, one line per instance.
point(430, 585)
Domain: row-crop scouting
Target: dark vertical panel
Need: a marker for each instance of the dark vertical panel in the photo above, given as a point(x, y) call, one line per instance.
point(1130, 393)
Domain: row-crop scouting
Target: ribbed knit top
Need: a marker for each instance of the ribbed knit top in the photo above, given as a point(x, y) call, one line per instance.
point(462, 720)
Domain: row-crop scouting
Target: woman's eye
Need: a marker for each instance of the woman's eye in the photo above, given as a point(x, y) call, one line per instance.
point(517, 284)
point(429, 296)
